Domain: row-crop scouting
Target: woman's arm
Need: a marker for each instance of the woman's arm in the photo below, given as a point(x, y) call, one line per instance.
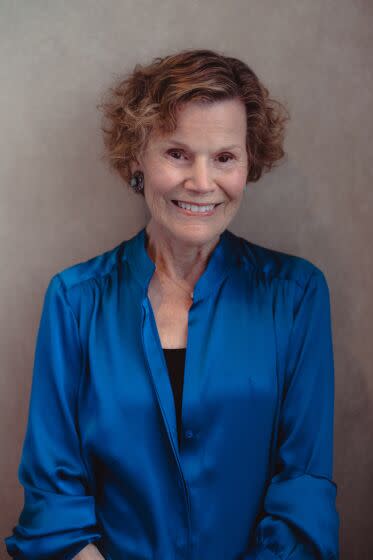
point(59, 517)
point(300, 520)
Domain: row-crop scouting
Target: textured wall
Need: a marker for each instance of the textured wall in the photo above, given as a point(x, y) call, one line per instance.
point(59, 204)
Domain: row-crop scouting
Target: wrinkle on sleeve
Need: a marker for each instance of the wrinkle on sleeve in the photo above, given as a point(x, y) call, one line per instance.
point(300, 520)
point(58, 517)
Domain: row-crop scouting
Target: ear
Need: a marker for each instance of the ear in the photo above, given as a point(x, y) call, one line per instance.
point(135, 165)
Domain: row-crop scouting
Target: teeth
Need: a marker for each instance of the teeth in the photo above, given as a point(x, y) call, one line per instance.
point(195, 208)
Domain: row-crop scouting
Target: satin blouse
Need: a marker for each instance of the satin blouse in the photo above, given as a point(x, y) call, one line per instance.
point(253, 476)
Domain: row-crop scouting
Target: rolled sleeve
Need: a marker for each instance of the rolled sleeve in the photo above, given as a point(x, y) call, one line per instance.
point(58, 517)
point(300, 520)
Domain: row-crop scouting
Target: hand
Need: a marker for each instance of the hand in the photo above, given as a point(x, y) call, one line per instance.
point(89, 552)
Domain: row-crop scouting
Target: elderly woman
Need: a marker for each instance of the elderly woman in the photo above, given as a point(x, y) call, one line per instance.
point(183, 386)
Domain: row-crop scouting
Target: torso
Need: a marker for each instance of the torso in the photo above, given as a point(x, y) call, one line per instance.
point(171, 310)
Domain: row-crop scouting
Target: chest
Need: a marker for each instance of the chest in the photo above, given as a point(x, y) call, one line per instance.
point(171, 311)
point(230, 384)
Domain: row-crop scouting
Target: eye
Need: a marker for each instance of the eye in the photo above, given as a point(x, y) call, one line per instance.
point(230, 156)
point(173, 151)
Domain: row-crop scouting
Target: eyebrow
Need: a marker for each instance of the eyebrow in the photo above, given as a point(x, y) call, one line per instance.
point(183, 145)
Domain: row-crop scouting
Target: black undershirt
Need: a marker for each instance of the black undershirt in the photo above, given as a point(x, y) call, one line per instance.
point(175, 359)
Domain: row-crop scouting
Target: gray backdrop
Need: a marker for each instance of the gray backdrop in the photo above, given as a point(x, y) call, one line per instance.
point(59, 203)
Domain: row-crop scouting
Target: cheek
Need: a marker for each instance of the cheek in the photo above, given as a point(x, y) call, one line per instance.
point(162, 179)
point(235, 185)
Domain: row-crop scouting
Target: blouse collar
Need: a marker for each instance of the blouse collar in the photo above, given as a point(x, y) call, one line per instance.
point(220, 262)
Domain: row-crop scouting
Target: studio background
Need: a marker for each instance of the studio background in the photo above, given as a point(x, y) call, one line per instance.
point(60, 204)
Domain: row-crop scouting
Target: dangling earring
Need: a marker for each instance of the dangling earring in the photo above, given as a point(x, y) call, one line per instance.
point(137, 181)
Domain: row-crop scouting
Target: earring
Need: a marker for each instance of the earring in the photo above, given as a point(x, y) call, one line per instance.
point(137, 181)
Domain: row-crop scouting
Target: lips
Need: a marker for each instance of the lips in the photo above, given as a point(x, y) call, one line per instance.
point(197, 203)
point(203, 212)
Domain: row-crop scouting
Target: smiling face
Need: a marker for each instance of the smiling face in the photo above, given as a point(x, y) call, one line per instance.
point(204, 161)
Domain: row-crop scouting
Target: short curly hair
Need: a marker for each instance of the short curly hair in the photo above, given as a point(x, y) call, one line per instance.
point(148, 98)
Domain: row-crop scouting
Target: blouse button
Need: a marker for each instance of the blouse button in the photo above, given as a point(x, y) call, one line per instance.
point(189, 434)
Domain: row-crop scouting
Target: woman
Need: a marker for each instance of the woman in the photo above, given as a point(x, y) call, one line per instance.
point(183, 386)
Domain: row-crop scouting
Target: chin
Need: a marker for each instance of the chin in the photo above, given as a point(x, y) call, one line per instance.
point(197, 234)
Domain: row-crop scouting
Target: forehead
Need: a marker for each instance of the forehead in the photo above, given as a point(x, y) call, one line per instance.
point(217, 123)
point(229, 115)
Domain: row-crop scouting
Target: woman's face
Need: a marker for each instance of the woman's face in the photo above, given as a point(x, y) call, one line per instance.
point(204, 161)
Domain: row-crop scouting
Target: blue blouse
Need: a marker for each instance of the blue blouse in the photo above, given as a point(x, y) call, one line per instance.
point(100, 460)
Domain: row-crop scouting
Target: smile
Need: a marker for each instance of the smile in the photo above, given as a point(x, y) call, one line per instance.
point(195, 209)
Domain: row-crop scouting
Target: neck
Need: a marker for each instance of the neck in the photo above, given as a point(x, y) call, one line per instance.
point(175, 257)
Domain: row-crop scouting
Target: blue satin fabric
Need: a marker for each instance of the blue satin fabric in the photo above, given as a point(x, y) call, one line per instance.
point(100, 460)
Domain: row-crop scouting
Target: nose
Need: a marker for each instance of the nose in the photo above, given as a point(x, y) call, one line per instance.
point(200, 179)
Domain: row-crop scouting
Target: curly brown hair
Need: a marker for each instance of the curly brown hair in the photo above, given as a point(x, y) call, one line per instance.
point(148, 98)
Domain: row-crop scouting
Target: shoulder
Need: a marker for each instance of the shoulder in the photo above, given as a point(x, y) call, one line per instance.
point(272, 264)
point(95, 268)
point(268, 263)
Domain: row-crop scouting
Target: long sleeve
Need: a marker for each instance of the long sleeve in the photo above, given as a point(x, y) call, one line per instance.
point(300, 520)
point(58, 518)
